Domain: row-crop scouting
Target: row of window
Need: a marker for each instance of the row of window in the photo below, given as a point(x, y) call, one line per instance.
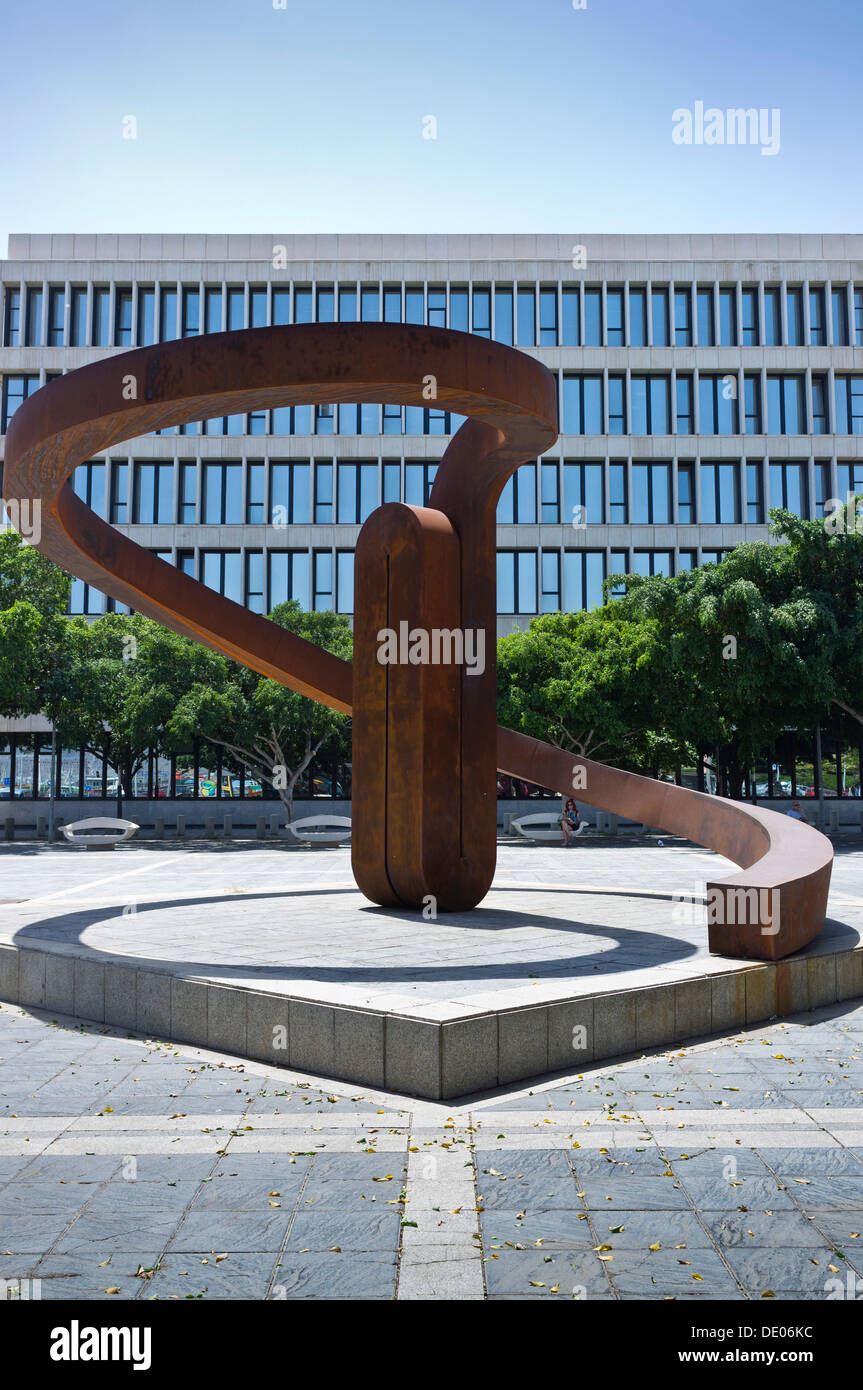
point(529, 581)
point(789, 769)
point(679, 315)
point(289, 493)
point(617, 403)
point(26, 772)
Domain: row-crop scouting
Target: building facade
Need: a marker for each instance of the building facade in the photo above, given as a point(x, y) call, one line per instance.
point(701, 380)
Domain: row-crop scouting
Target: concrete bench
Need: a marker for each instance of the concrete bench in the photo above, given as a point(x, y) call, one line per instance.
point(310, 832)
point(543, 827)
point(98, 832)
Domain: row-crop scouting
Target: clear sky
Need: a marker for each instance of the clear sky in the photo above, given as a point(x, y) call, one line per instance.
point(310, 118)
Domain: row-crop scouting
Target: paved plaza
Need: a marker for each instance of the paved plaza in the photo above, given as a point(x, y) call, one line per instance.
point(132, 1167)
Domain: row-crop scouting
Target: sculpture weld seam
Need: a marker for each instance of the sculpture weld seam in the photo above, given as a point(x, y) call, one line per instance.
point(426, 749)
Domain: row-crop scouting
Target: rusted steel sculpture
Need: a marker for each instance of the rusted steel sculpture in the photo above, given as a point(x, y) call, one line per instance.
point(426, 749)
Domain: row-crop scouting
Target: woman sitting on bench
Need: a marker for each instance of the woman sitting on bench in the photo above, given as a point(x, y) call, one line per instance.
point(570, 821)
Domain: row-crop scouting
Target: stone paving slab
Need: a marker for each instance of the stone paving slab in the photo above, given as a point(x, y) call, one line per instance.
point(579, 1187)
point(574, 956)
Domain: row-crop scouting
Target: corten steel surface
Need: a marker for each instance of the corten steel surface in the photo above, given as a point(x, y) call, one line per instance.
point(425, 744)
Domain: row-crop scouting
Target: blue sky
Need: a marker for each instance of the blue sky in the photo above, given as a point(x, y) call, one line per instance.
point(310, 118)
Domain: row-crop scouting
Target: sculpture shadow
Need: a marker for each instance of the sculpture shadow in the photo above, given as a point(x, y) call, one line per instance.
point(64, 932)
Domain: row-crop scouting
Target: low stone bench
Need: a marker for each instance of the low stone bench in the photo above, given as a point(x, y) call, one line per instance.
point(98, 832)
point(530, 827)
point(306, 830)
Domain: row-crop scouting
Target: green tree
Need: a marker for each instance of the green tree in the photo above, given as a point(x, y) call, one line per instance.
point(264, 727)
point(34, 595)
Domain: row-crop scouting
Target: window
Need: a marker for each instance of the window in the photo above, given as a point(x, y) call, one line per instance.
point(323, 570)
point(583, 574)
point(614, 310)
point(154, 494)
point(345, 581)
point(727, 318)
point(752, 403)
point(257, 307)
point(719, 493)
point(281, 306)
point(503, 316)
point(516, 581)
point(437, 308)
point(222, 494)
point(850, 479)
point(213, 303)
point(582, 405)
point(686, 561)
point(786, 408)
point(819, 405)
point(83, 598)
point(358, 494)
point(754, 495)
point(571, 334)
point(548, 318)
point(749, 303)
point(526, 305)
point(822, 486)
point(638, 318)
point(772, 318)
point(650, 562)
point(16, 389)
point(849, 405)
point(794, 311)
point(458, 315)
point(817, 329)
point(788, 487)
point(482, 313)
point(685, 422)
point(593, 318)
point(392, 422)
point(34, 317)
point(858, 317)
point(651, 406)
point(618, 509)
point(78, 317)
point(685, 494)
point(517, 502)
point(323, 494)
point(147, 317)
point(683, 318)
point(839, 304)
point(88, 483)
point(119, 493)
point(717, 401)
point(222, 570)
point(550, 567)
point(325, 419)
point(419, 480)
point(56, 314)
point(12, 320)
point(191, 312)
point(582, 494)
point(167, 315)
point(706, 326)
point(550, 499)
point(302, 305)
point(651, 493)
point(254, 596)
point(123, 318)
point(370, 305)
point(618, 564)
point(290, 488)
point(101, 321)
point(659, 311)
point(188, 514)
point(392, 482)
point(236, 308)
point(288, 573)
point(617, 405)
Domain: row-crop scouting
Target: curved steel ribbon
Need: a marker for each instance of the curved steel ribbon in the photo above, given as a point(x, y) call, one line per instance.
point(427, 822)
